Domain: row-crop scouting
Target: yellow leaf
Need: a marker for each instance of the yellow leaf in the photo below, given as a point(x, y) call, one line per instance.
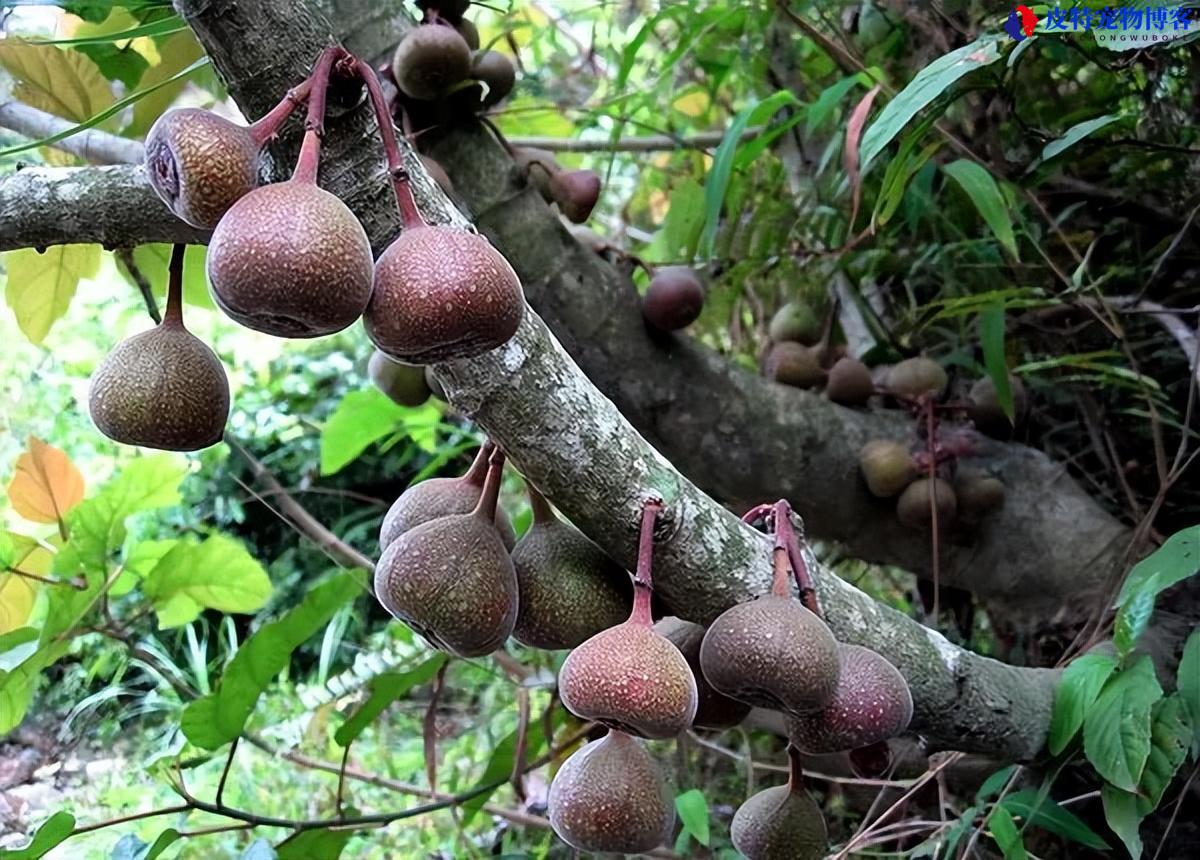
point(17, 595)
point(40, 285)
point(178, 52)
point(46, 485)
point(694, 103)
point(63, 82)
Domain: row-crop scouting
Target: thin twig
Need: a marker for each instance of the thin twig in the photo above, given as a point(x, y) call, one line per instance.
point(225, 772)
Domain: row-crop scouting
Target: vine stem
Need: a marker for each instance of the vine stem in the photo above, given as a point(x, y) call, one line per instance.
point(267, 126)
point(643, 580)
point(314, 123)
point(174, 313)
point(409, 213)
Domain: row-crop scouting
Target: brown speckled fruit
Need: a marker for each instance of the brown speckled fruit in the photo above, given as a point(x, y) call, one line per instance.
point(771, 652)
point(795, 321)
point(674, 299)
point(849, 382)
point(977, 495)
point(713, 711)
point(872, 703)
point(451, 579)
point(403, 383)
point(791, 363)
point(986, 411)
point(495, 70)
point(913, 510)
point(570, 590)
point(780, 823)
point(576, 193)
point(200, 164)
point(887, 466)
point(916, 376)
point(442, 293)
point(163, 388)
point(429, 60)
point(290, 259)
point(609, 797)
point(441, 497)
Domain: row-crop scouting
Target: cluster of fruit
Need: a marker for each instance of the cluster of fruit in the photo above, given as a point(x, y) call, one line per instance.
point(802, 356)
point(451, 571)
point(290, 259)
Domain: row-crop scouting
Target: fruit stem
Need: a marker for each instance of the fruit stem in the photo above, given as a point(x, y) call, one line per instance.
point(174, 313)
point(477, 473)
point(792, 542)
point(795, 781)
point(643, 581)
point(542, 512)
point(314, 122)
point(409, 213)
point(490, 497)
point(268, 125)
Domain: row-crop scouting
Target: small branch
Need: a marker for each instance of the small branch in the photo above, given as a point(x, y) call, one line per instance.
point(648, 143)
point(92, 145)
point(225, 772)
point(125, 255)
point(45, 580)
point(125, 819)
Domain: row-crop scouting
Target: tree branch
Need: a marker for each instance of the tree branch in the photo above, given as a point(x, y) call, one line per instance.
point(92, 145)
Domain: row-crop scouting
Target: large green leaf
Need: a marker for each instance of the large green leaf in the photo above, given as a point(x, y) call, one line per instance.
point(927, 85)
point(1173, 562)
point(219, 717)
point(1077, 133)
point(1081, 683)
point(361, 418)
point(679, 234)
point(217, 573)
point(53, 832)
point(1004, 831)
point(979, 185)
point(1116, 730)
point(1120, 811)
point(1188, 682)
point(1044, 812)
point(41, 284)
point(385, 689)
point(1170, 737)
point(693, 814)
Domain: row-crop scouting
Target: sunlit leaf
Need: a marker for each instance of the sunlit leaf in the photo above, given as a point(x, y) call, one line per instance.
point(52, 833)
point(178, 52)
point(217, 573)
point(693, 814)
point(47, 484)
point(1081, 683)
point(983, 191)
point(62, 82)
point(40, 285)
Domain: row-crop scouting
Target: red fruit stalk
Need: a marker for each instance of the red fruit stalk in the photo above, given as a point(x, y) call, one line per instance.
point(314, 123)
point(409, 213)
point(643, 582)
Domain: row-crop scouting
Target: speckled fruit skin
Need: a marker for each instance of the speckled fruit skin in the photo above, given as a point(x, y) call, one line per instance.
point(570, 590)
point(887, 467)
point(792, 363)
point(872, 703)
point(291, 260)
point(200, 164)
point(497, 71)
point(771, 652)
point(429, 60)
point(609, 797)
point(429, 500)
point(402, 383)
point(441, 294)
point(912, 508)
point(631, 679)
point(916, 376)
point(713, 710)
point(452, 581)
point(674, 299)
point(779, 824)
point(163, 388)
point(849, 382)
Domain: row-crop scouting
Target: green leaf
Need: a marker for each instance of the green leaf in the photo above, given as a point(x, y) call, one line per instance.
point(1116, 730)
point(177, 53)
point(1081, 683)
point(680, 232)
point(1077, 133)
point(991, 338)
point(1004, 831)
point(900, 172)
point(822, 109)
point(1170, 737)
point(926, 85)
point(992, 785)
point(500, 765)
point(385, 689)
point(53, 832)
point(314, 845)
point(693, 814)
point(717, 182)
point(217, 573)
point(1173, 562)
point(40, 285)
point(219, 717)
point(1188, 681)
point(979, 185)
point(130, 847)
point(1132, 619)
point(8, 552)
point(160, 27)
point(1045, 813)
point(151, 262)
point(1120, 811)
point(363, 417)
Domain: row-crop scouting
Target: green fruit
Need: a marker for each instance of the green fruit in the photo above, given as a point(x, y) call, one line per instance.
point(849, 382)
point(985, 409)
point(402, 383)
point(916, 376)
point(791, 363)
point(674, 299)
point(429, 60)
point(795, 321)
point(609, 797)
point(771, 652)
point(713, 711)
point(781, 823)
point(872, 703)
point(570, 590)
point(887, 466)
point(913, 509)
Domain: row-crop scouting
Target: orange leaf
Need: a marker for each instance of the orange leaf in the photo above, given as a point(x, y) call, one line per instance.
point(46, 485)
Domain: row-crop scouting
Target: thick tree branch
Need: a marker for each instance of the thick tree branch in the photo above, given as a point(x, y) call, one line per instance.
point(92, 145)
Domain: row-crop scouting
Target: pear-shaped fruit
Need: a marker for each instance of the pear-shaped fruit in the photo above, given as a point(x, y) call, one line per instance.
point(442, 497)
point(986, 411)
point(916, 376)
point(451, 579)
point(794, 364)
point(570, 590)
point(781, 823)
point(849, 382)
point(713, 710)
point(609, 797)
point(872, 703)
point(913, 509)
point(576, 192)
point(674, 299)
point(495, 70)
point(977, 495)
point(887, 466)
point(429, 60)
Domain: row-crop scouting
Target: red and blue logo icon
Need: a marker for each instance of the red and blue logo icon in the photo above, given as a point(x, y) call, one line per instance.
point(1020, 23)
